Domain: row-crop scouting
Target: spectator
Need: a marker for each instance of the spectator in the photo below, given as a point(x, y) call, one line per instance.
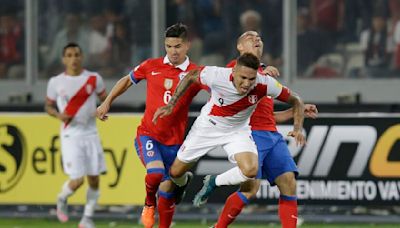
point(327, 15)
point(309, 47)
point(11, 52)
point(120, 49)
point(72, 32)
point(99, 44)
point(377, 46)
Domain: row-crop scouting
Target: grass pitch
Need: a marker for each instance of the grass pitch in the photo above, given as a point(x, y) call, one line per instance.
point(52, 223)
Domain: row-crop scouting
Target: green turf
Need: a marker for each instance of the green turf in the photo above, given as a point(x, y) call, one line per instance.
point(43, 223)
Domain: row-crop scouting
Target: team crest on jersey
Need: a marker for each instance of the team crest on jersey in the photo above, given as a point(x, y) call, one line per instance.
point(150, 153)
point(253, 99)
point(89, 88)
point(168, 83)
point(182, 75)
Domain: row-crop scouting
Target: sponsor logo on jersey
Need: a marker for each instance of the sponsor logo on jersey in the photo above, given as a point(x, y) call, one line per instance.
point(155, 73)
point(168, 83)
point(253, 99)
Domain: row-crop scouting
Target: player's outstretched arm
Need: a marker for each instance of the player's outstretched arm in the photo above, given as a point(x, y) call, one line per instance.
point(298, 116)
point(184, 84)
point(122, 85)
point(310, 111)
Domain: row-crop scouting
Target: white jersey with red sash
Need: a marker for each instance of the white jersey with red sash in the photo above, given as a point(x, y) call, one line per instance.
point(226, 108)
point(76, 96)
point(224, 120)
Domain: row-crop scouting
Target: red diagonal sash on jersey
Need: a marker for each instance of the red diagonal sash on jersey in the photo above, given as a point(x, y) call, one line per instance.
point(240, 105)
point(76, 102)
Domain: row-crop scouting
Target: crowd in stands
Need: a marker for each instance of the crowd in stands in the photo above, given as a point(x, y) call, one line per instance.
point(335, 38)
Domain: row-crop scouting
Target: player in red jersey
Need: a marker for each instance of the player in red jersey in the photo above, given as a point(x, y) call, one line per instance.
point(74, 92)
point(157, 146)
point(275, 162)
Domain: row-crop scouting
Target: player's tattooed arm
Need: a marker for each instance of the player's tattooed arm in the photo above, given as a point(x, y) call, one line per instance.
point(185, 83)
point(50, 108)
point(298, 116)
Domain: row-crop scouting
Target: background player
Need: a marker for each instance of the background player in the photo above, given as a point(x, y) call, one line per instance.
point(157, 146)
point(224, 119)
point(74, 92)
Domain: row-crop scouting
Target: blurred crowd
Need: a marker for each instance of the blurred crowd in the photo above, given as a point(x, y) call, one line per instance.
point(335, 38)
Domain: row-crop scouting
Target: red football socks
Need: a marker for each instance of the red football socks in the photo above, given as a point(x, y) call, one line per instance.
point(152, 181)
point(166, 208)
point(288, 211)
point(233, 206)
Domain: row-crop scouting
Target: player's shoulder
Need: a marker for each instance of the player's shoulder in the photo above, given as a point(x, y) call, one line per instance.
point(56, 78)
point(231, 64)
point(192, 66)
point(88, 73)
point(153, 62)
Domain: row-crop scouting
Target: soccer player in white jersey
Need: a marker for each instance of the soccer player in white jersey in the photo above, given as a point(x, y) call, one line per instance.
point(224, 120)
point(71, 98)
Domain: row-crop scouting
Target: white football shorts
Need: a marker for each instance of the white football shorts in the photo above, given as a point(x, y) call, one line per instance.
point(202, 138)
point(82, 156)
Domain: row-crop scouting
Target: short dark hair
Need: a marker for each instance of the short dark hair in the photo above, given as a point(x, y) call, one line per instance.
point(177, 30)
point(248, 60)
point(69, 45)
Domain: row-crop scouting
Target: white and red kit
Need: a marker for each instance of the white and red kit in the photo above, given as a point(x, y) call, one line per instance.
point(224, 120)
point(76, 96)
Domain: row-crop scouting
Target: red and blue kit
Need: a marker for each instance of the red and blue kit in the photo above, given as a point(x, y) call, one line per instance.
point(162, 140)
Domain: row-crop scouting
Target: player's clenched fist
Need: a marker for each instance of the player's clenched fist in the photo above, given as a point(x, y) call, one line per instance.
point(310, 111)
point(102, 111)
point(161, 112)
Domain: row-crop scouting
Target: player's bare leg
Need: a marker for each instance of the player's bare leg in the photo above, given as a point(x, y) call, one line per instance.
point(92, 196)
point(154, 176)
point(288, 200)
point(246, 169)
point(181, 176)
point(68, 188)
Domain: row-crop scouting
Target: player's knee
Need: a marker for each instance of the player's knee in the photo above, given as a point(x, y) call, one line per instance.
point(287, 183)
point(175, 173)
point(76, 183)
point(249, 170)
point(93, 182)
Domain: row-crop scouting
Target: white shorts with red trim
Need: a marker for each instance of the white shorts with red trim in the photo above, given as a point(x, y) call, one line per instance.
point(204, 137)
point(82, 156)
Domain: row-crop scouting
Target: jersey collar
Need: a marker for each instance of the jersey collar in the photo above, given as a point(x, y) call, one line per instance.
point(183, 66)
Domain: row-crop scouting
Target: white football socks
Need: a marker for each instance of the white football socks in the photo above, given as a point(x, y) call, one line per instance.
point(233, 176)
point(66, 191)
point(91, 200)
point(180, 181)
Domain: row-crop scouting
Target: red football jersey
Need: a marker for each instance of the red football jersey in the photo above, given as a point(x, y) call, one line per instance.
point(162, 80)
point(263, 116)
